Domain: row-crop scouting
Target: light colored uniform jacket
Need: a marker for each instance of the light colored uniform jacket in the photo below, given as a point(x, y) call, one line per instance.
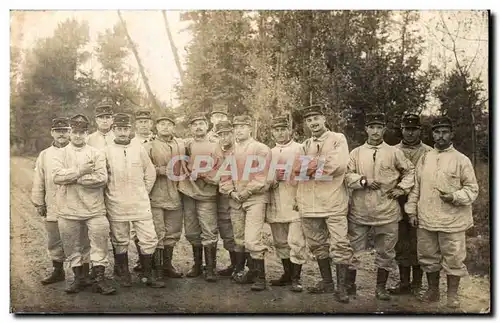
point(138, 139)
point(256, 183)
point(448, 171)
point(413, 152)
point(165, 192)
point(202, 189)
point(282, 194)
point(44, 189)
point(387, 165)
point(324, 198)
point(131, 178)
point(79, 197)
point(101, 141)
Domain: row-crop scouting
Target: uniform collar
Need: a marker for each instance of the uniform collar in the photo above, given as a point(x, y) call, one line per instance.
point(322, 137)
point(75, 147)
point(367, 145)
point(104, 134)
point(444, 150)
point(285, 145)
point(53, 145)
point(417, 145)
point(160, 138)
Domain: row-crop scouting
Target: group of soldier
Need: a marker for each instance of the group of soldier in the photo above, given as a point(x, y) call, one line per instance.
point(416, 201)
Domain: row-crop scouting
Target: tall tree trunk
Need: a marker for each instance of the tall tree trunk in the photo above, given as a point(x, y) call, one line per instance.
point(172, 46)
point(151, 95)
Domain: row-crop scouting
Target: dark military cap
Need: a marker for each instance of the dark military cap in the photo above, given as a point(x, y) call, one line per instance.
point(121, 120)
point(311, 110)
point(79, 122)
point(165, 116)
point(104, 109)
point(143, 114)
point(197, 116)
point(244, 119)
point(443, 121)
point(223, 126)
point(410, 120)
point(281, 121)
point(61, 123)
point(375, 118)
point(219, 109)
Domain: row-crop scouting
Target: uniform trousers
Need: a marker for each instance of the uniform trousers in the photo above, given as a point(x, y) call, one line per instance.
point(289, 241)
point(55, 246)
point(248, 222)
point(168, 226)
point(406, 247)
point(200, 221)
point(145, 230)
point(224, 223)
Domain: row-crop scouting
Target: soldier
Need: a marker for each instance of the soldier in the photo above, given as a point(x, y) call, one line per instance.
point(43, 197)
point(406, 247)
point(81, 172)
point(225, 137)
point(143, 125)
point(131, 178)
point(199, 198)
point(166, 204)
point(217, 115)
point(281, 214)
point(249, 195)
point(322, 202)
point(378, 174)
point(440, 205)
point(104, 119)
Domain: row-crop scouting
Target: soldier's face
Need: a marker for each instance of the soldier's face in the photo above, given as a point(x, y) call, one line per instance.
point(77, 137)
point(242, 132)
point(281, 134)
point(122, 133)
point(315, 123)
point(165, 128)
point(104, 122)
point(199, 128)
point(442, 136)
point(143, 126)
point(217, 117)
point(61, 136)
point(226, 138)
point(375, 132)
point(411, 135)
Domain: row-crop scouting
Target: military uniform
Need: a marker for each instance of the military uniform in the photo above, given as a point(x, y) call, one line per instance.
point(166, 204)
point(43, 195)
point(442, 224)
point(98, 139)
point(131, 178)
point(284, 220)
point(373, 208)
point(199, 199)
point(80, 204)
point(406, 247)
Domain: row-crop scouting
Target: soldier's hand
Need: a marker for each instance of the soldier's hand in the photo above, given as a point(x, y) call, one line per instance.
point(373, 185)
point(235, 196)
point(280, 174)
point(42, 211)
point(161, 170)
point(87, 168)
point(446, 197)
point(244, 195)
point(412, 220)
point(395, 193)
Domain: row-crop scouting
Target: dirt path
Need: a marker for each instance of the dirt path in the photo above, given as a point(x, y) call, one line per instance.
point(29, 263)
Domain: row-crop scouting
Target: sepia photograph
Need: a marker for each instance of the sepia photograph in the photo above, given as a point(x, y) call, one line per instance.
point(250, 162)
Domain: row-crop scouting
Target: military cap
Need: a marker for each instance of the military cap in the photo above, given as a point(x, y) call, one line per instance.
point(103, 110)
point(375, 118)
point(244, 119)
point(61, 123)
point(79, 122)
point(121, 120)
point(219, 109)
point(223, 126)
point(410, 120)
point(311, 110)
point(443, 121)
point(197, 116)
point(165, 116)
point(281, 121)
point(143, 114)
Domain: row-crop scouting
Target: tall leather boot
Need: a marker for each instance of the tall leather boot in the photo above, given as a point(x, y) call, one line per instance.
point(197, 268)
point(403, 286)
point(87, 280)
point(295, 275)
point(76, 286)
point(416, 282)
point(250, 276)
point(116, 267)
point(325, 285)
point(286, 278)
point(239, 268)
point(380, 291)
point(226, 272)
point(101, 286)
point(432, 293)
point(210, 261)
point(168, 269)
point(57, 274)
point(147, 267)
point(158, 264)
point(452, 293)
point(137, 267)
point(341, 293)
point(260, 273)
point(351, 282)
point(123, 272)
